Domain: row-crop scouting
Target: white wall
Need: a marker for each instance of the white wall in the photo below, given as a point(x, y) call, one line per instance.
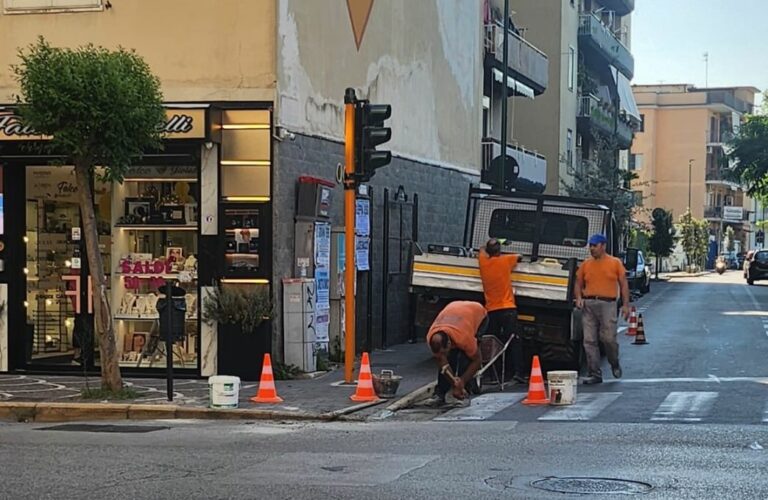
point(423, 57)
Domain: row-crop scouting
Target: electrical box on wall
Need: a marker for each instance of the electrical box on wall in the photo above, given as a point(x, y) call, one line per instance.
point(314, 198)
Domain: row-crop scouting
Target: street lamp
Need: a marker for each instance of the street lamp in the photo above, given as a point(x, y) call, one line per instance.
point(690, 164)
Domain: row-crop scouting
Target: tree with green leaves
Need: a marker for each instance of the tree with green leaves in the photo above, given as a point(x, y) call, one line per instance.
point(749, 156)
point(662, 240)
point(694, 237)
point(100, 108)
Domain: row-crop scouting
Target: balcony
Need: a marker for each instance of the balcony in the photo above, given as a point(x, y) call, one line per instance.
point(728, 99)
point(595, 114)
point(719, 137)
point(527, 64)
point(594, 34)
point(620, 7)
point(527, 170)
point(726, 213)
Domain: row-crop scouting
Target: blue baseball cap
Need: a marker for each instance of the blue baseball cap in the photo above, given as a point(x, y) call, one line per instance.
point(596, 239)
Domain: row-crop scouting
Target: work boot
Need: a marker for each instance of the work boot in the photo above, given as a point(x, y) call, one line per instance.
point(436, 401)
point(616, 371)
point(593, 379)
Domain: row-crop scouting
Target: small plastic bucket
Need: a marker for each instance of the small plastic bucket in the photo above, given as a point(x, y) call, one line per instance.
point(562, 387)
point(223, 391)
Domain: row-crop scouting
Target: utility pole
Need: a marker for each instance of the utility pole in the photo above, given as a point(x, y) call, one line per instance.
point(505, 73)
point(706, 69)
point(350, 112)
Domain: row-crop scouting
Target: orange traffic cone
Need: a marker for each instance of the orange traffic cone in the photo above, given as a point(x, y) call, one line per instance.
point(632, 330)
point(364, 391)
point(537, 395)
point(267, 392)
point(640, 338)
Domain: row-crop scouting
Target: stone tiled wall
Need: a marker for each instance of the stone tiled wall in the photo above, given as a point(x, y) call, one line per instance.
point(442, 205)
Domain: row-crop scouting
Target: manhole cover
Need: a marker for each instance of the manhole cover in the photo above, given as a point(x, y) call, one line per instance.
point(104, 428)
point(591, 485)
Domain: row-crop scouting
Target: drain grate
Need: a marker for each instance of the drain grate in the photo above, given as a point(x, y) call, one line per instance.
point(591, 485)
point(123, 429)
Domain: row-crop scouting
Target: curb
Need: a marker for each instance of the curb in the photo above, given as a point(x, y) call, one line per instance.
point(411, 397)
point(69, 412)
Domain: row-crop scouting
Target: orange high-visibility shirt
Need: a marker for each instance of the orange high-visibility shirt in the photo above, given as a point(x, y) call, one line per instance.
point(496, 274)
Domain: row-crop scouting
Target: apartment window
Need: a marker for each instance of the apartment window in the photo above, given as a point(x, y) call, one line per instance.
point(642, 123)
point(569, 148)
point(571, 68)
point(22, 6)
point(636, 161)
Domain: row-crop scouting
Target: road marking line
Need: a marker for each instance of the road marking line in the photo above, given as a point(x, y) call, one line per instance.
point(672, 380)
point(586, 407)
point(685, 406)
point(481, 407)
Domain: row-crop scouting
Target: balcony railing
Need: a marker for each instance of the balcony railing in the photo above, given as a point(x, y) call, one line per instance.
point(620, 7)
point(728, 99)
point(720, 137)
point(601, 38)
point(526, 63)
point(530, 174)
point(624, 134)
point(596, 113)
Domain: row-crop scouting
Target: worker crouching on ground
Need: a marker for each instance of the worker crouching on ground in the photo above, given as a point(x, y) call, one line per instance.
point(452, 338)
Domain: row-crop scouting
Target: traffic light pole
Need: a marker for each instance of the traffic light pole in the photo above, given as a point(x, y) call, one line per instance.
point(350, 103)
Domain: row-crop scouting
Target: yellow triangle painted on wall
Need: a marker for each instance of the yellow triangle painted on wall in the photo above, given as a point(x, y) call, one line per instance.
point(359, 12)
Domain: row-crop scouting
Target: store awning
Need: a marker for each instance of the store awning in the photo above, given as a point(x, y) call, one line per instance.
point(513, 84)
point(626, 97)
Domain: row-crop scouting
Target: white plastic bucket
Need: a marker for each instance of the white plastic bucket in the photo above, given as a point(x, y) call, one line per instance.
point(223, 391)
point(562, 387)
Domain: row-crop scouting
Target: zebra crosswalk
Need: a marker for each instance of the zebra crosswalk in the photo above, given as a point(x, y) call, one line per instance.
point(615, 406)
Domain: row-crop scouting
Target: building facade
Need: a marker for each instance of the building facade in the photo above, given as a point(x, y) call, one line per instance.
point(254, 92)
point(589, 104)
point(678, 154)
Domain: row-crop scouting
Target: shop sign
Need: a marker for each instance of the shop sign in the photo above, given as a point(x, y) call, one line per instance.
point(154, 271)
point(180, 123)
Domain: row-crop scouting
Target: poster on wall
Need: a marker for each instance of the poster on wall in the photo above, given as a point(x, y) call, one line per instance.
point(362, 233)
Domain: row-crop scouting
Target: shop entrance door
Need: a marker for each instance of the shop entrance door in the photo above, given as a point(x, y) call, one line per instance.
point(59, 319)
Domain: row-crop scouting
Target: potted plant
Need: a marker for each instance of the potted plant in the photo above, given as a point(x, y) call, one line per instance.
point(244, 328)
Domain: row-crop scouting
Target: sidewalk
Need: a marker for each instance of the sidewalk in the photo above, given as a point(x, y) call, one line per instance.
point(46, 397)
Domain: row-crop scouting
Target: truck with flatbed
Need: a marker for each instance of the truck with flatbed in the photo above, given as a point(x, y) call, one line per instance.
point(550, 234)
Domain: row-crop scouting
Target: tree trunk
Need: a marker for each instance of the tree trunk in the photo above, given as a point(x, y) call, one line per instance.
point(657, 267)
point(110, 368)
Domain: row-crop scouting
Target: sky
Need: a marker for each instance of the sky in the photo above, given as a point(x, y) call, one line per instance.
point(670, 37)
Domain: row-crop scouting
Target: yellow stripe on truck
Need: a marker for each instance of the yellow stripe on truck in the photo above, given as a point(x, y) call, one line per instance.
point(475, 273)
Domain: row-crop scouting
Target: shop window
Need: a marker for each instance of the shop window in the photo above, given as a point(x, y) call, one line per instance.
point(155, 213)
point(246, 156)
point(25, 6)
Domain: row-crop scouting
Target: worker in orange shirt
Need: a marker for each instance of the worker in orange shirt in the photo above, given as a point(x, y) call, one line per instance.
point(452, 338)
point(599, 281)
point(496, 275)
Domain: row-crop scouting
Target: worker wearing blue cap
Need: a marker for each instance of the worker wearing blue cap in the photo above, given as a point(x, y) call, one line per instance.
point(599, 281)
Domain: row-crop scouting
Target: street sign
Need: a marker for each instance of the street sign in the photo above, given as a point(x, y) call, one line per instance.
point(733, 213)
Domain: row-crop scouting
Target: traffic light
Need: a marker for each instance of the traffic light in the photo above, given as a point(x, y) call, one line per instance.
point(760, 237)
point(370, 132)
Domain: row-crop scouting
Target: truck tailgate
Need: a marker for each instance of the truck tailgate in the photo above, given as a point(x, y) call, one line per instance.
point(534, 280)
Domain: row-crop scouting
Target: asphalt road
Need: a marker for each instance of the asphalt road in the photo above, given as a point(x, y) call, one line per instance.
point(706, 362)
point(686, 421)
point(389, 459)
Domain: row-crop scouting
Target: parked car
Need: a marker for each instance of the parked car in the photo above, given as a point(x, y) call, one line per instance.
point(758, 267)
point(639, 278)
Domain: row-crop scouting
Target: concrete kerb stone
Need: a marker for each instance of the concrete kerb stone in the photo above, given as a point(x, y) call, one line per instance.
point(413, 396)
point(68, 412)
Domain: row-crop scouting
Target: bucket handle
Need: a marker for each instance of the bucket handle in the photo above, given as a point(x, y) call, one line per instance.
point(387, 373)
